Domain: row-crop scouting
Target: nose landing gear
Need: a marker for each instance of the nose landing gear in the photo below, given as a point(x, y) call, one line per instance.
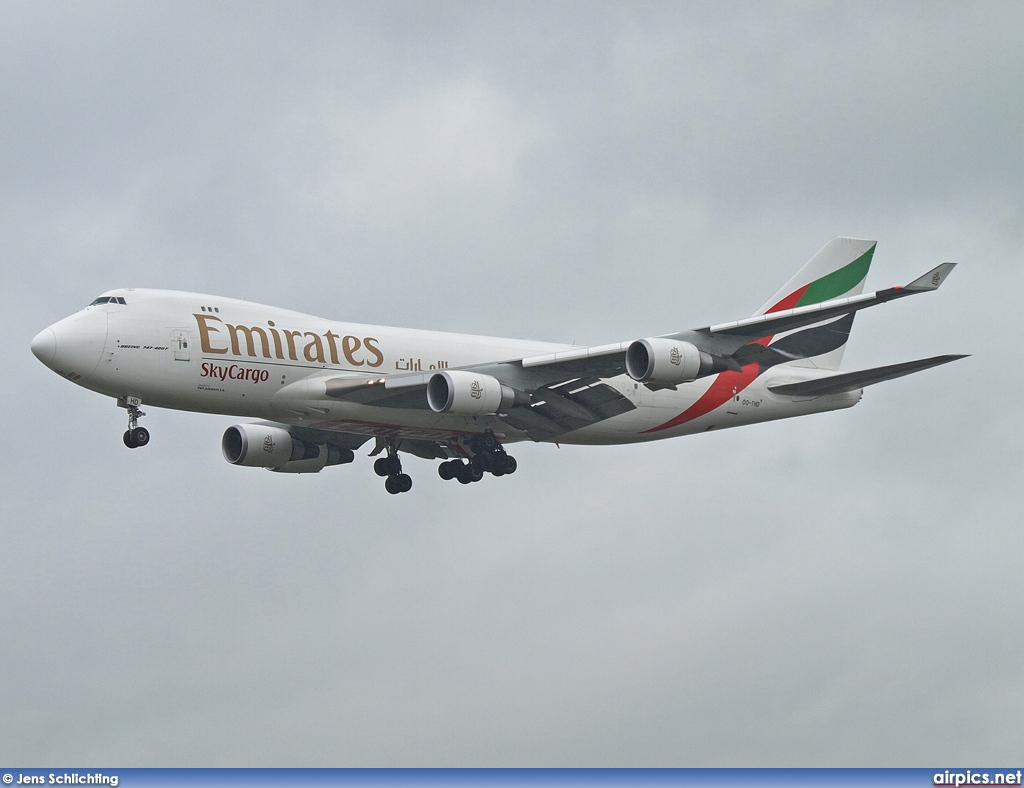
point(135, 436)
point(391, 467)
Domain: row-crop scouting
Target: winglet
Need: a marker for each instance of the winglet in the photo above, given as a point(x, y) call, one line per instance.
point(932, 279)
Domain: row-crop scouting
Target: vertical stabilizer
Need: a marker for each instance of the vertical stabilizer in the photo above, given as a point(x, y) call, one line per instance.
point(838, 270)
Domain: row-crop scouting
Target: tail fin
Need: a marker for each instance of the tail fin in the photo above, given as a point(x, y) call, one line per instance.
point(838, 270)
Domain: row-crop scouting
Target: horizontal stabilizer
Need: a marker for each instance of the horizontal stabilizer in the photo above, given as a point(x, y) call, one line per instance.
point(848, 381)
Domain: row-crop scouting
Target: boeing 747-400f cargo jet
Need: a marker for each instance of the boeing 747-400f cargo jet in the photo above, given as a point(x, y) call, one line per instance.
point(325, 388)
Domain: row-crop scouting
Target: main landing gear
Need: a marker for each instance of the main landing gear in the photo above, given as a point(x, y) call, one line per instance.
point(391, 467)
point(135, 436)
point(489, 456)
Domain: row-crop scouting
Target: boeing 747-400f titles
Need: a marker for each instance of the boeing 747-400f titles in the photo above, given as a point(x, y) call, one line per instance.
point(325, 388)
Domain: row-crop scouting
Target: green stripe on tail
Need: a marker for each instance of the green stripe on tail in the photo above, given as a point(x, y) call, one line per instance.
point(838, 282)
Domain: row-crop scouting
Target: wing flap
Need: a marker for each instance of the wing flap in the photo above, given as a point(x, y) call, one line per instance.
point(557, 410)
point(570, 403)
point(849, 381)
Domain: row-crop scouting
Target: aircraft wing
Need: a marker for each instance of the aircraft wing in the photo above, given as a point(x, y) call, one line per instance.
point(739, 332)
point(554, 406)
point(565, 388)
point(724, 339)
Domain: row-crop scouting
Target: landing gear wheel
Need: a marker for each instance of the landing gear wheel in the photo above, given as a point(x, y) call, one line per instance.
point(446, 470)
point(481, 462)
point(135, 436)
point(498, 460)
point(391, 466)
point(398, 483)
point(488, 442)
point(510, 464)
point(466, 473)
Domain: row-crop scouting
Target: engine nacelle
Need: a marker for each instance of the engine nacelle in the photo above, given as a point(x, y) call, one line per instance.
point(471, 394)
point(667, 361)
point(326, 454)
point(265, 446)
point(257, 445)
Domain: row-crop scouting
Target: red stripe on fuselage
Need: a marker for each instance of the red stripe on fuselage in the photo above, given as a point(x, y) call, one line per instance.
point(728, 384)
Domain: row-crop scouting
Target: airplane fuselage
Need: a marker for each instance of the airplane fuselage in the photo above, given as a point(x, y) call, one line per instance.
point(210, 354)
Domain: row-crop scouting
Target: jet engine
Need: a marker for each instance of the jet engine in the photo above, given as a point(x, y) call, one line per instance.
point(667, 361)
point(265, 446)
point(471, 394)
point(325, 454)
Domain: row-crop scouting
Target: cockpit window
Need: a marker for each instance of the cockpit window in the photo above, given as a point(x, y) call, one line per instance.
point(108, 300)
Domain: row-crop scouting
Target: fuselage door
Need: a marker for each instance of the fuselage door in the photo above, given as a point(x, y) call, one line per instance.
point(179, 343)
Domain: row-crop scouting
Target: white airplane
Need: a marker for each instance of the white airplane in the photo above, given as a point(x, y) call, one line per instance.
point(325, 388)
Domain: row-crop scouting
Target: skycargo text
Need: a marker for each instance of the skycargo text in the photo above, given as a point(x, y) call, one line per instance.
point(234, 372)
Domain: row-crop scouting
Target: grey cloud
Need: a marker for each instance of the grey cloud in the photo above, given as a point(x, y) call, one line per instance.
point(837, 590)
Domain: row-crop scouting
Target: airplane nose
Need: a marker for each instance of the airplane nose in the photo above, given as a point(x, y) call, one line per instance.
point(72, 347)
point(44, 345)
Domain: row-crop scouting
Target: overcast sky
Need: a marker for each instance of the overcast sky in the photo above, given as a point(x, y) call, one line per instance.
point(840, 590)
